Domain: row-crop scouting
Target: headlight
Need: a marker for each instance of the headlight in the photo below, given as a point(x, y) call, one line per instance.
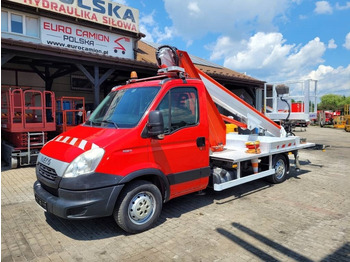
point(85, 163)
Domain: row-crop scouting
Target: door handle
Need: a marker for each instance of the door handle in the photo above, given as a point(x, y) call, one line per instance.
point(200, 141)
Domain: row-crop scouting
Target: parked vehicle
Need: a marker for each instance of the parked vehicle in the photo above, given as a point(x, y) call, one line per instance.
point(347, 117)
point(292, 103)
point(156, 139)
point(70, 112)
point(324, 118)
point(27, 116)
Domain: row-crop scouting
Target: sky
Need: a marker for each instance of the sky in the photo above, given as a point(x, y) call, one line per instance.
point(273, 41)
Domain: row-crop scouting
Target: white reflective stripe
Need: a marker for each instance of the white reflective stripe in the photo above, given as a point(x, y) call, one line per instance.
point(59, 138)
point(72, 142)
point(66, 139)
point(94, 146)
point(82, 144)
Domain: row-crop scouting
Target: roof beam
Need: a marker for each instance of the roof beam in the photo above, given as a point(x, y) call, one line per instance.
point(5, 58)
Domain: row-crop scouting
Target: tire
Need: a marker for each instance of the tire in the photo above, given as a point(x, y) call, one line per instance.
point(138, 207)
point(280, 163)
point(14, 162)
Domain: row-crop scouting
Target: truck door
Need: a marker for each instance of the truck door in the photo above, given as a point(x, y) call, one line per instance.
point(183, 154)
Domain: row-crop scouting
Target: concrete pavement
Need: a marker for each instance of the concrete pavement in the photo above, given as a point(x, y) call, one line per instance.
point(306, 218)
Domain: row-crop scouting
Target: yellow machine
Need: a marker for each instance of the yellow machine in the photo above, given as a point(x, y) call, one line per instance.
point(347, 117)
point(339, 122)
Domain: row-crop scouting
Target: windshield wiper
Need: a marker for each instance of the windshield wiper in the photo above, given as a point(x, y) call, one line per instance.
point(90, 123)
point(110, 122)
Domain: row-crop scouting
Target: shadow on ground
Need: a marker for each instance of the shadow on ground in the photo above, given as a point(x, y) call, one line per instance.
point(106, 227)
point(341, 254)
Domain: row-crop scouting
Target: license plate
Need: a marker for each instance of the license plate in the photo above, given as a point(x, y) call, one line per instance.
point(41, 202)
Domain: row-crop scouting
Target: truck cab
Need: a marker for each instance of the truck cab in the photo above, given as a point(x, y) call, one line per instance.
point(147, 137)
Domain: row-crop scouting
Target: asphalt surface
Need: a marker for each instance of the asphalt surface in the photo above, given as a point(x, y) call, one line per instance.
point(306, 218)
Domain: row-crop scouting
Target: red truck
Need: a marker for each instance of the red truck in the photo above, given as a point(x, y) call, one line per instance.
point(324, 118)
point(155, 139)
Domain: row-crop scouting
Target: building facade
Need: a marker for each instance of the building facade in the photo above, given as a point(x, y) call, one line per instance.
point(83, 48)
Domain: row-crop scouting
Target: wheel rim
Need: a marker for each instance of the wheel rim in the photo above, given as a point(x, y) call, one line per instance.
point(280, 169)
point(141, 208)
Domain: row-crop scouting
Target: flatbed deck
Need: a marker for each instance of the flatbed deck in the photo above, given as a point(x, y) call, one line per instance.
point(235, 153)
point(235, 150)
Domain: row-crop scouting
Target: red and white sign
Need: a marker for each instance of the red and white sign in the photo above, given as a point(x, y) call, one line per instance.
point(99, 11)
point(64, 35)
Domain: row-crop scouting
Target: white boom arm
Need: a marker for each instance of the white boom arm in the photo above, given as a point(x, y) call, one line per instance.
point(169, 56)
point(236, 106)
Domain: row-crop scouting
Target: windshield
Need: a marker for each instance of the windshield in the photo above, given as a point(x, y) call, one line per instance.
point(123, 108)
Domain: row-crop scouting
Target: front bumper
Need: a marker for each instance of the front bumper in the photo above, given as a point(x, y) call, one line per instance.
point(78, 204)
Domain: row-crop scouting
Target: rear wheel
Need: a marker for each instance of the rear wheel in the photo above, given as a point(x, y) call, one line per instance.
point(14, 162)
point(138, 207)
point(279, 162)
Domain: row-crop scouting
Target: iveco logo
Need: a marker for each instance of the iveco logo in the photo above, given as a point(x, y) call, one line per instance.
point(46, 160)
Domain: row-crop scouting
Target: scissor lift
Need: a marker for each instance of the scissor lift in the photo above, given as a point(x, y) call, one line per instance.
point(26, 117)
point(70, 113)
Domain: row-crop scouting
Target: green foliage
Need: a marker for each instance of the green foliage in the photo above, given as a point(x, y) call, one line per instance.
point(333, 102)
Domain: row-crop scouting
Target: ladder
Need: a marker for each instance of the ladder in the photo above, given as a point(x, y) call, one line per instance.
point(35, 141)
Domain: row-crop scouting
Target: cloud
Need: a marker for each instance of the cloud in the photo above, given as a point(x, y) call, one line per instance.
point(148, 19)
point(323, 7)
point(267, 56)
point(347, 41)
point(332, 80)
point(235, 18)
point(223, 46)
point(344, 7)
point(193, 8)
point(332, 44)
point(151, 29)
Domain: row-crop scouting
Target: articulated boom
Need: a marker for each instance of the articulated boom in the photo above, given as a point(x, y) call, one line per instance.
point(232, 103)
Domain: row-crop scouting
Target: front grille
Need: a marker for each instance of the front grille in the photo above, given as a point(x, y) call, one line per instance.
point(47, 172)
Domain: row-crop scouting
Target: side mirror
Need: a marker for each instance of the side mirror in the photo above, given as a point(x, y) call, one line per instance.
point(155, 124)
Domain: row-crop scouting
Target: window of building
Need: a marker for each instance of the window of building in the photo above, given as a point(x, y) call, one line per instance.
point(16, 24)
point(32, 25)
point(19, 24)
point(4, 21)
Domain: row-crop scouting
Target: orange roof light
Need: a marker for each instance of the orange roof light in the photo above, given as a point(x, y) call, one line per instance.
point(133, 75)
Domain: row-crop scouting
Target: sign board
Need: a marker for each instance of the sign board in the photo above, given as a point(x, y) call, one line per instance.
point(99, 11)
point(64, 35)
point(313, 116)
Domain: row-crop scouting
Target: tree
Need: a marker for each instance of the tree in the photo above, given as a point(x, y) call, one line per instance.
point(332, 102)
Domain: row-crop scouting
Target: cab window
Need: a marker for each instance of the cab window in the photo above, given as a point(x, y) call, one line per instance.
point(179, 108)
point(124, 107)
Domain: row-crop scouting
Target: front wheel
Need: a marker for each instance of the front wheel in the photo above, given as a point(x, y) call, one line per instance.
point(138, 207)
point(279, 162)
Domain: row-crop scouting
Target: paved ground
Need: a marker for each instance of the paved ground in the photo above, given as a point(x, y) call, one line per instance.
point(307, 218)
